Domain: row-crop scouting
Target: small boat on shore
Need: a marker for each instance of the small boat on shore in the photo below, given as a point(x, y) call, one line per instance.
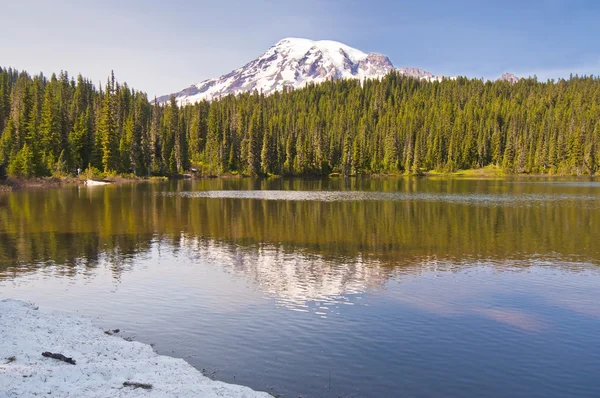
point(96, 183)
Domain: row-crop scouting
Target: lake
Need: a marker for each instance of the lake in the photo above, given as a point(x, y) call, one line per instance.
point(374, 287)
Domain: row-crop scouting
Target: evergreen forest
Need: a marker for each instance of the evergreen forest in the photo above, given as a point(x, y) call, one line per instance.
point(396, 125)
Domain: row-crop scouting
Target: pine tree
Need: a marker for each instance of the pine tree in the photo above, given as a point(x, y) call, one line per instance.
point(155, 165)
point(7, 143)
point(78, 141)
point(255, 132)
point(267, 154)
point(126, 145)
point(176, 131)
point(290, 154)
point(50, 125)
point(214, 137)
point(22, 164)
point(107, 129)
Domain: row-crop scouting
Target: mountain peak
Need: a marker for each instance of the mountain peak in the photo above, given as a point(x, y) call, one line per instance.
point(295, 62)
point(509, 77)
point(298, 47)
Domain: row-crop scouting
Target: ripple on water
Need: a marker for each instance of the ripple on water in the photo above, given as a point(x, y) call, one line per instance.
point(338, 196)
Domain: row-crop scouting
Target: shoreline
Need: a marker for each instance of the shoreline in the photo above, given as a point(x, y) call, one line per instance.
point(12, 184)
point(106, 365)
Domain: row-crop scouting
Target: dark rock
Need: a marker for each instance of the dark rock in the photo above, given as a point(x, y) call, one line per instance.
point(133, 384)
point(60, 357)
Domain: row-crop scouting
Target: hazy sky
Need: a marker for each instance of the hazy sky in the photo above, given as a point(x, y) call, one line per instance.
point(163, 46)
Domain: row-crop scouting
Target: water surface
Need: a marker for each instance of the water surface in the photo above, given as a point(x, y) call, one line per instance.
point(329, 288)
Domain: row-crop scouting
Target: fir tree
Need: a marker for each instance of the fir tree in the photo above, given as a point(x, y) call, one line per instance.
point(107, 129)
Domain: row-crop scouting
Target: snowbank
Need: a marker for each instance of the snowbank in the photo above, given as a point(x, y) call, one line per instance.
point(104, 362)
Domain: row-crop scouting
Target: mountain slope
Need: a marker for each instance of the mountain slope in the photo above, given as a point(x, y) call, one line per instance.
point(293, 63)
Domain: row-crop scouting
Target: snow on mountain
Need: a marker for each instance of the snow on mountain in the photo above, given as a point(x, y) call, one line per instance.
point(294, 63)
point(509, 77)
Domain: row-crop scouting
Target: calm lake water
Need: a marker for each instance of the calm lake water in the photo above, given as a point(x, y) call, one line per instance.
point(330, 288)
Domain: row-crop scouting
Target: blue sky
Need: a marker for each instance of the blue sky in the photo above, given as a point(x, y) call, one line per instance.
point(163, 46)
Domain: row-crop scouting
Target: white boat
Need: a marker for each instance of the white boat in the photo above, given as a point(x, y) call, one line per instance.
point(96, 183)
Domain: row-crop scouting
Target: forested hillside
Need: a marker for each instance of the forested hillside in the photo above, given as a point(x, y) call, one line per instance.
point(397, 125)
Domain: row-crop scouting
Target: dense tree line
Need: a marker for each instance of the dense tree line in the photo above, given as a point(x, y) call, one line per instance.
point(396, 125)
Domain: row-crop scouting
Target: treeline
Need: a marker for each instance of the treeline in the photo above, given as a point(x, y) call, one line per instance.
point(396, 125)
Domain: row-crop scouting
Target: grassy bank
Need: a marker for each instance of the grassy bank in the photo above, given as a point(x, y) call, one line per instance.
point(492, 171)
point(483, 172)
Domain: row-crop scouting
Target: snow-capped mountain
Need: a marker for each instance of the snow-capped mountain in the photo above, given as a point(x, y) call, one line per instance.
point(294, 63)
point(509, 77)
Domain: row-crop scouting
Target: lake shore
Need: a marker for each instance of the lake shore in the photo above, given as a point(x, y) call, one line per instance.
point(11, 184)
point(105, 365)
point(488, 172)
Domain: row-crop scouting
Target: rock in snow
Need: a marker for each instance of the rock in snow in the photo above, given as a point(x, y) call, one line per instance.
point(104, 362)
point(294, 63)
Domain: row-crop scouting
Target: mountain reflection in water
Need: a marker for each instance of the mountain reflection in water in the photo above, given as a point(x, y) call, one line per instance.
point(329, 288)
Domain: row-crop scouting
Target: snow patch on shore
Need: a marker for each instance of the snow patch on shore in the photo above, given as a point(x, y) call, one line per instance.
point(104, 362)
